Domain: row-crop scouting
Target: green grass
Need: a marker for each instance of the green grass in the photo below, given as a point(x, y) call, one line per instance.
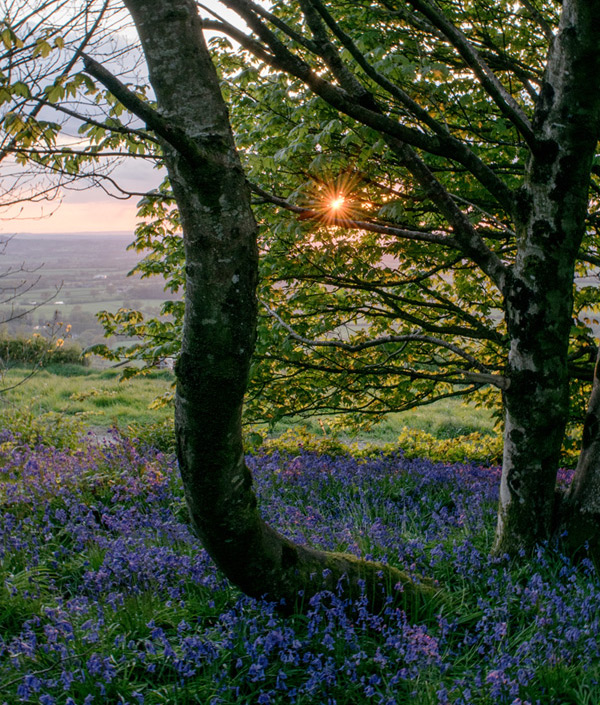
point(98, 397)
point(447, 418)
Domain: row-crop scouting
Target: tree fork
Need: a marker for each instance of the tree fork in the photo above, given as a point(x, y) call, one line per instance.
point(219, 333)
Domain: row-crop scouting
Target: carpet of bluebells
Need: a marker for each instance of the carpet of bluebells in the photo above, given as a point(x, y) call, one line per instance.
point(107, 597)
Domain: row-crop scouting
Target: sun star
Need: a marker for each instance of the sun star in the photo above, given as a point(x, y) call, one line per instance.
point(337, 203)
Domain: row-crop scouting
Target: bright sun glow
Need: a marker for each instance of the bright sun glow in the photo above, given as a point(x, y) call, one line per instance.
point(337, 203)
point(332, 200)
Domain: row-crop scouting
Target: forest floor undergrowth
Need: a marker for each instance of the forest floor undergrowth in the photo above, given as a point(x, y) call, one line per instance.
point(107, 597)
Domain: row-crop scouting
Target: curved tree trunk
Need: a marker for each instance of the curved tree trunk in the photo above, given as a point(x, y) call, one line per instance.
point(550, 215)
point(219, 329)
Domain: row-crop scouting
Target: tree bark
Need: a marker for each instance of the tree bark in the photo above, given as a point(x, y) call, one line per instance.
point(219, 331)
point(550, 215)
point(579, 518)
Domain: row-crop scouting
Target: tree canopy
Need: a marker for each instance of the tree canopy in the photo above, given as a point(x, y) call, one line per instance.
point(375, 307)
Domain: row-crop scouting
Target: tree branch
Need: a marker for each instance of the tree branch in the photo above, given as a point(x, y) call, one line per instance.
point(96, 123)
point(176, 137)
point(488, 79)
point(349, 347)
point(540, 19)
point(283, 59)
point(469, 241)
point(41, 102)
point(355, 224)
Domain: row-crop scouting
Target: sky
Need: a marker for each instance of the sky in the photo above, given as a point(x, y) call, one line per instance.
point(88, 209)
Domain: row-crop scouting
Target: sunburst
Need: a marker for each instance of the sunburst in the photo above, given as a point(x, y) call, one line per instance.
point(333, 201)
point(337, 204)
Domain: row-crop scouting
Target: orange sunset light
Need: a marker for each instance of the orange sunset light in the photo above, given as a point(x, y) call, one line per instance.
point(337, 203)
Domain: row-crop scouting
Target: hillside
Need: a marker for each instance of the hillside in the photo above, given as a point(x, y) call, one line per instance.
point(70, 278)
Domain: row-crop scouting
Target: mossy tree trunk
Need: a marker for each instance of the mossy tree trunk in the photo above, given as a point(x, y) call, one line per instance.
point(579, 510)
point(550, 216)
point(219, 330)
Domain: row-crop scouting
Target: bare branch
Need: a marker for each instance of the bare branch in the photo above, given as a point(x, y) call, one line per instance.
point(177, 138)
point(96, 123)
point(65, 71)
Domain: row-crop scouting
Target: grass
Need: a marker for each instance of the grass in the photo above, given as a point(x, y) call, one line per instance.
point(447, 418)
point(96, 396)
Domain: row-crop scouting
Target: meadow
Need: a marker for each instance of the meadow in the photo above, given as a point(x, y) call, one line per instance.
point(107, 597)
point(97, 397)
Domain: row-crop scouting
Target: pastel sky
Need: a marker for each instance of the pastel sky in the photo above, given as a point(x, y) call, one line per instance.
point(88, 209)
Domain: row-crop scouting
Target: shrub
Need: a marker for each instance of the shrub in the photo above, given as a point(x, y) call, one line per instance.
point(475, 447)
point(38, 350)
point(159, 435)
point(298, 439)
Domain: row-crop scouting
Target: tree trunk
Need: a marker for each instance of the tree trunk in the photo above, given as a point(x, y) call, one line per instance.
point(580, 509)
point(219, 330)
point(550, 215)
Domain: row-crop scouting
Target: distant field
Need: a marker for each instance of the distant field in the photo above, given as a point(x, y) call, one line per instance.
point(89, 304)
point(71, 279)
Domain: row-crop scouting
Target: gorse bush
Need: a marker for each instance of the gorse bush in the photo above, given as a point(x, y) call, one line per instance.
point(413, 443)
point(38, 350)
point(107, 597)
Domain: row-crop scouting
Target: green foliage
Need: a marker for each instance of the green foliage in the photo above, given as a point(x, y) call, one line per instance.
point(40, 351)
point(332, 281)
point(326, 280)
point(50, 428)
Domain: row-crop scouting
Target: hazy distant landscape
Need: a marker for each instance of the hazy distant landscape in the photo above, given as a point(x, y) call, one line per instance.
point(69, 278)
